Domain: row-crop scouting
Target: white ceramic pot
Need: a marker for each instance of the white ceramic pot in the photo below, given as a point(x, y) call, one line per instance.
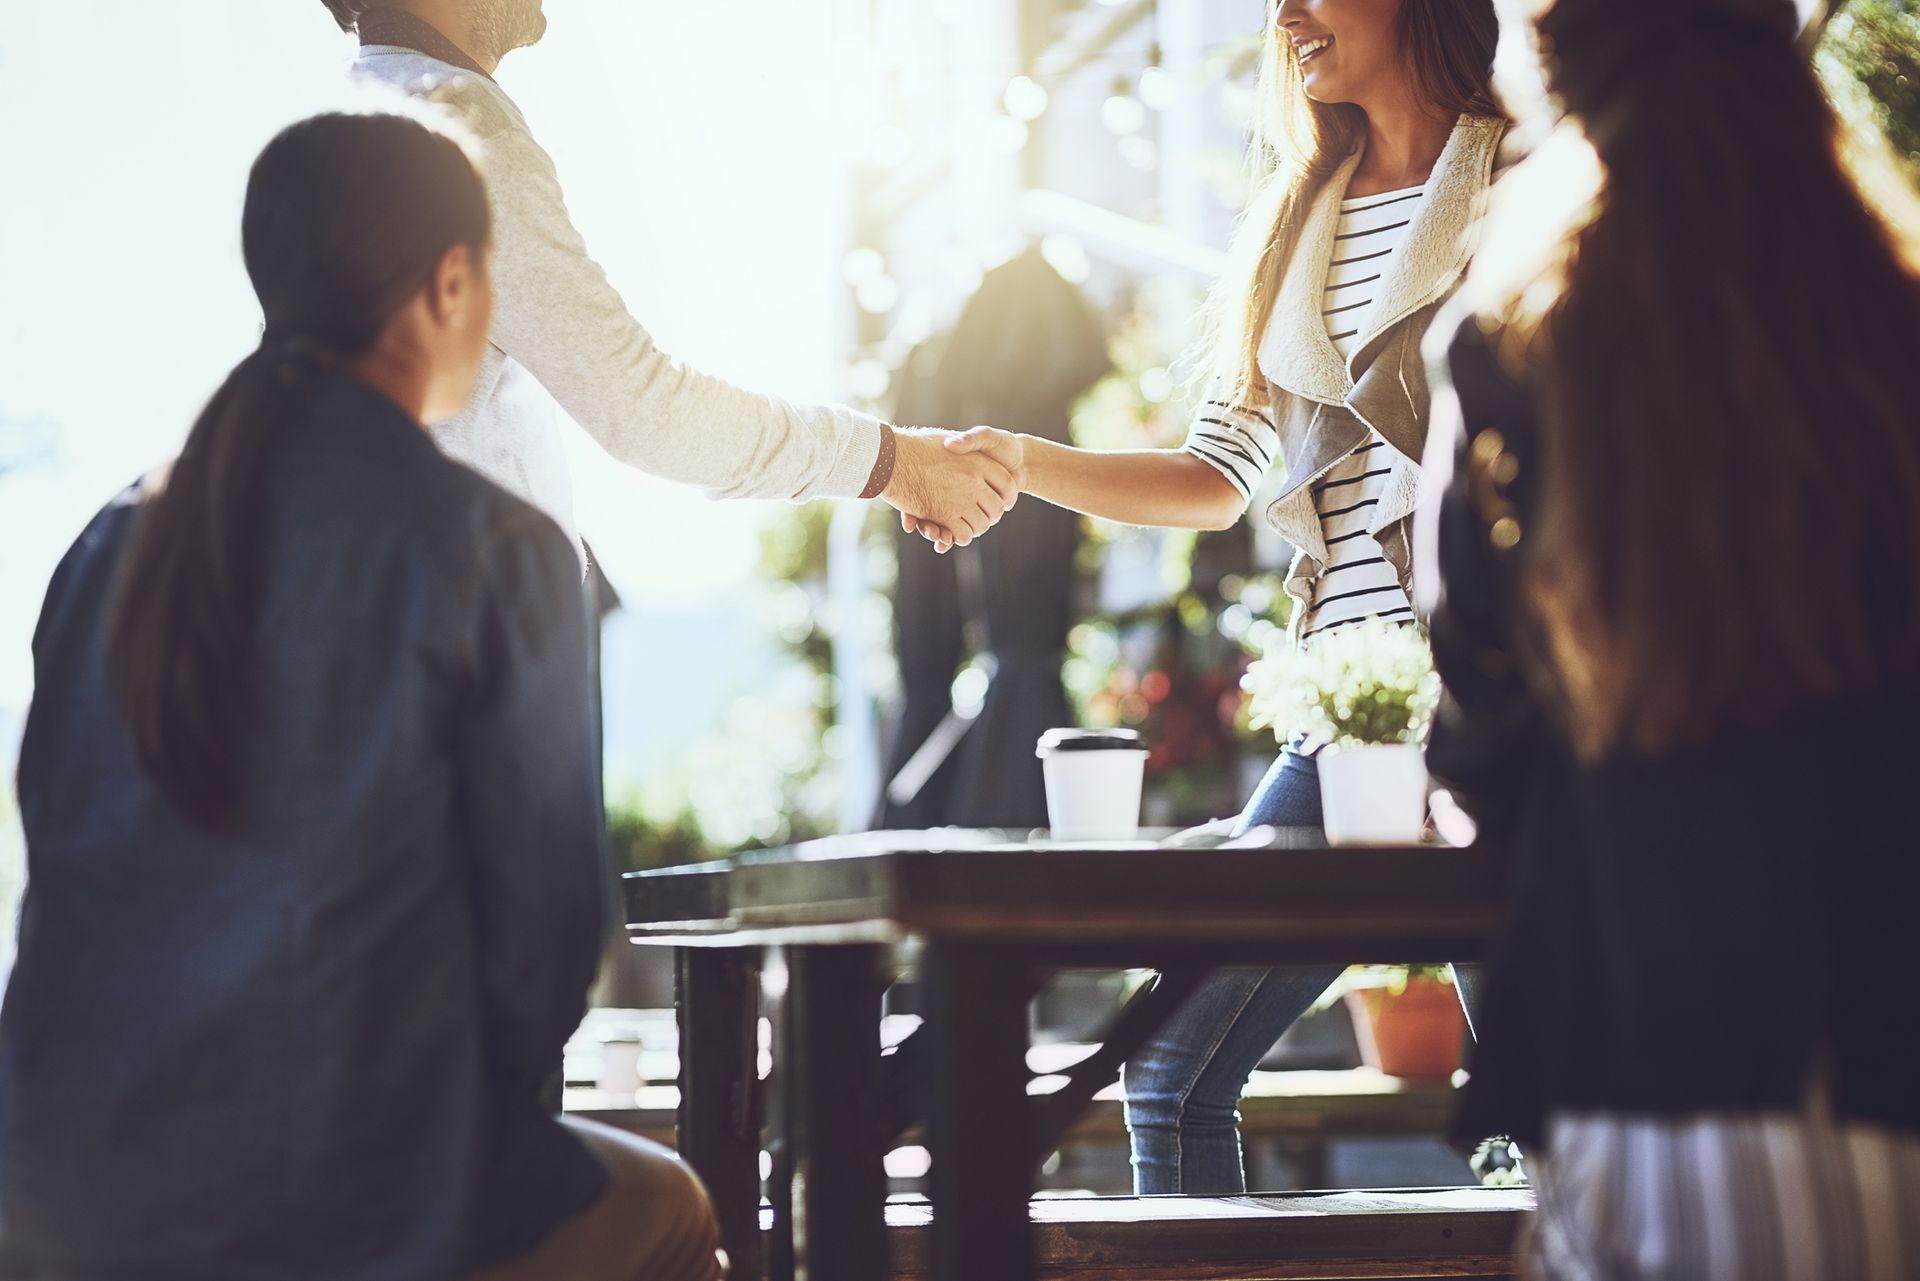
point(1374, 795)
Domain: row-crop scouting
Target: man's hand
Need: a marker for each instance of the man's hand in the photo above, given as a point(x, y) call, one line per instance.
point(1001, 447)
point(950, 496)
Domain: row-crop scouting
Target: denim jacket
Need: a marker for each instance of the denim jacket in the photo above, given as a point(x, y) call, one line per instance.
point(312, 1046)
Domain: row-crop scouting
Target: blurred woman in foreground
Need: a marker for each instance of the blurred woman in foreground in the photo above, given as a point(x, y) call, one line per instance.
point(1679, 620)
point(313, 828)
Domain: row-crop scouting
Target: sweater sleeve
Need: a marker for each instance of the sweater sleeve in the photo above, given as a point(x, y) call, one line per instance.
point(557, 314)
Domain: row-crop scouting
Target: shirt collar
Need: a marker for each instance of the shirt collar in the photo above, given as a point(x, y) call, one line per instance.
point(405, 30)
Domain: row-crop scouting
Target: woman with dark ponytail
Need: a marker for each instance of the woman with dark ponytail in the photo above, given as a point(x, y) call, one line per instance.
point(1679, 621)
point(309, 784)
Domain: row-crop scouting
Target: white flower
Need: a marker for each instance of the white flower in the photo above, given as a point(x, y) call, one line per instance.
point(1370, 683)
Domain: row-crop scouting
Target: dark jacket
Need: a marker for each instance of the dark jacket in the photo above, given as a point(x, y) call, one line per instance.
point(312, 1048)
point(1724, 928)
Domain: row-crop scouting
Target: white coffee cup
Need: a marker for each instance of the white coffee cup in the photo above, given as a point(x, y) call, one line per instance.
point(1093, 783)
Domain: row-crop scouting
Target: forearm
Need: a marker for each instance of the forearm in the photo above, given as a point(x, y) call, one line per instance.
point(559, 316)
point(1167, 487)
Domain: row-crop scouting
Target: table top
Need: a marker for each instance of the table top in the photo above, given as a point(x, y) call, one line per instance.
point(1414, 903)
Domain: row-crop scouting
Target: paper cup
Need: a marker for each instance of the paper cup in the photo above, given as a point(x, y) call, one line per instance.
point(1093, 783)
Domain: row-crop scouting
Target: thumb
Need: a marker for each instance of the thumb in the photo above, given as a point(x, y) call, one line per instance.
point(971, 442)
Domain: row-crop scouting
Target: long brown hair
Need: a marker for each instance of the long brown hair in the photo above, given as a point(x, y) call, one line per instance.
point(1299, 143)
point(1725, 345)
point(346, 218)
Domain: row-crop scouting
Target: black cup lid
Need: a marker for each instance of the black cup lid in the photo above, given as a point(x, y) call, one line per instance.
point(1090, 740)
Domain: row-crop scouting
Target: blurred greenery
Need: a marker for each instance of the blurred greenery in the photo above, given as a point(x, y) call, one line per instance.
point(770, 774)
point(767, 776)
point(1873, 46)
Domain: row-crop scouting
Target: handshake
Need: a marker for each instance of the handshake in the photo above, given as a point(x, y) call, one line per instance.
point(953, 487)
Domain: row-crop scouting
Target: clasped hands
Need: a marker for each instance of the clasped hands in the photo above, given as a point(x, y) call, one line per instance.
point(952, 487)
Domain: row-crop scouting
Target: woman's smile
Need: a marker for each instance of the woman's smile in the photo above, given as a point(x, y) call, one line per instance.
point(1311, 49)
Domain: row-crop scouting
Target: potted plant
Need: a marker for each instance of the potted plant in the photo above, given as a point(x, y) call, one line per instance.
point(1362, 697)
point(1407, 1019)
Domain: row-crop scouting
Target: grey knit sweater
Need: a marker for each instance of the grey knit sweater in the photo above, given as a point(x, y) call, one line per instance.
point(565, 343)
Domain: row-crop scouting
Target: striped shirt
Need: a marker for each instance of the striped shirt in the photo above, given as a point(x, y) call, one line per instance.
point(1357, 581)
point(1238, 441)
point(1725, 1198)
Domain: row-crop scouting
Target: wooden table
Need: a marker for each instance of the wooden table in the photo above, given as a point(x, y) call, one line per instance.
point(992, 917)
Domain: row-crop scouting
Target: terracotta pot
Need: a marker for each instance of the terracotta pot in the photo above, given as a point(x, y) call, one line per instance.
point(1416, 1033)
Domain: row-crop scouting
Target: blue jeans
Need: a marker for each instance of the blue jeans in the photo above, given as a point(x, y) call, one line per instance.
point(1183, 1087)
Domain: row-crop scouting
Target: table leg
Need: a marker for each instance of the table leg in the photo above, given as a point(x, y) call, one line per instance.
point(717, 992)
point(778, 1257)
point(831, 1082)
point(979, 1120)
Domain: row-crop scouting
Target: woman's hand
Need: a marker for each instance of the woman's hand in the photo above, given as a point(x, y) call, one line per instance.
point(1005, 448)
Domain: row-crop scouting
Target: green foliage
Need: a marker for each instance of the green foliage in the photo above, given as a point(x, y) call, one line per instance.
point(1392, 979)
point(643, 838)
point(768, 775)
point(1370, 683)
point(1876, 45)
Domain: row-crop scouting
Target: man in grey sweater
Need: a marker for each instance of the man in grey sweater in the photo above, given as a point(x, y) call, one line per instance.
point(564, 341)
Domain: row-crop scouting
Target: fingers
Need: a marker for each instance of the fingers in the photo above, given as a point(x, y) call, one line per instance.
point(940, 537)
point(970, 497)
point(1004, 486)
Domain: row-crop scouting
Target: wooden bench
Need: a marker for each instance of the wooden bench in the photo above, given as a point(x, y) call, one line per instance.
point(1314, 1236)
point(1297, 1111)
point(1328, 1236)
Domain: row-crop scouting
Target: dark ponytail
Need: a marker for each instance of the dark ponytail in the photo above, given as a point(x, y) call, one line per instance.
point(347, 218)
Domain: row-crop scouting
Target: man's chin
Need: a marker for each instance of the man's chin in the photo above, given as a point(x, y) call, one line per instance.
point(536, 29)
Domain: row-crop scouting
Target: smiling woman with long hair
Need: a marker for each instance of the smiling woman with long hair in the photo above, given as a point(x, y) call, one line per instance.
point(1375, 147)
point(310, 792)
point(1679, 622)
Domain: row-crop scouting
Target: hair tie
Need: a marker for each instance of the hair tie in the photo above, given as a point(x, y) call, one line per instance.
point(294, 354)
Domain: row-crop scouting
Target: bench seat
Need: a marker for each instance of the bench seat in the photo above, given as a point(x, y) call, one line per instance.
point(1325, 1236)
point(1299, 1105)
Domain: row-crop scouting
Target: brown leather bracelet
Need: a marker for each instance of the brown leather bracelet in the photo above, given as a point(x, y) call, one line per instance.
point(882, 474)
